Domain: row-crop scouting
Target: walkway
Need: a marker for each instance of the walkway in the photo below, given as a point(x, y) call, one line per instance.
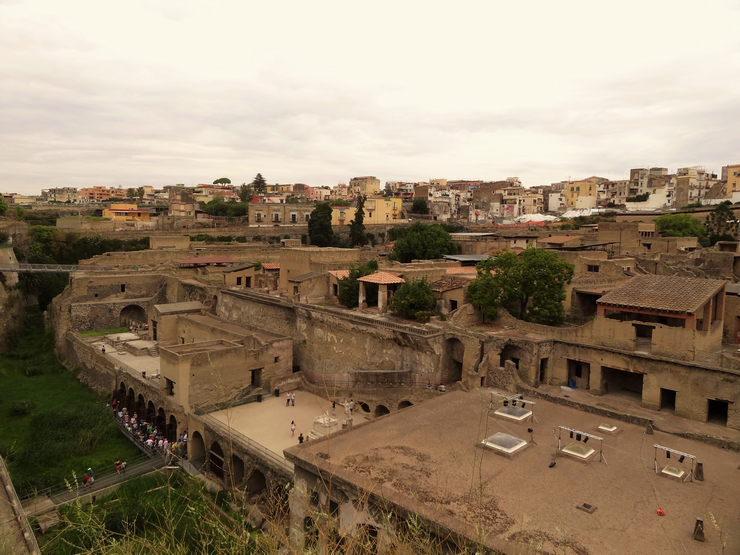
point(52, 268)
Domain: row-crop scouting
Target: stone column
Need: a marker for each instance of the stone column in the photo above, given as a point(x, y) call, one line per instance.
point(362, 294)
point(383, 297)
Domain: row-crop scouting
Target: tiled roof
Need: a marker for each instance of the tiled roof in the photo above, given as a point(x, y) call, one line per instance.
point(381, 278)
point(307, 277)
point(339, 274)
point(462, 270)
point(448, 283)
point(238, 267)
point(271, 265)
point(663, 293)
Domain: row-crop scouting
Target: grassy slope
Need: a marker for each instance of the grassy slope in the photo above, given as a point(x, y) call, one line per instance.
point(78, 434)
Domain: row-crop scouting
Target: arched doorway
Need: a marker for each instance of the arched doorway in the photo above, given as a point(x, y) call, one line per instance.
point(197, 450)
point(519, 356)
point(161, 421)
point(214, 303)
point(172, 428)
point(151, 412)
point(454, 357)
point(130, 400)
point(257, 483)
point(132, 315)
point(237, 471)
point(216, 460)
point(404, 404)
point(364, 407)
point(140, 405)
point(380, 410)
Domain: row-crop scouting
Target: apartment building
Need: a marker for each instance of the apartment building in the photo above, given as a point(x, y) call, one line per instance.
point(367, 186)
point(61, 194)
point(265, 214)
point(99, 194)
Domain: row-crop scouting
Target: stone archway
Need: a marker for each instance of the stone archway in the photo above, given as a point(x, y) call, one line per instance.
point(237, 471)
point(140, 406)
point(151, 413)
point(197, 450)
point(216, 460)
point(172, 428)
point(453, 361)
point(256, 483)
point(380, 410)
point(161, 421)
point(132, 315)
point(364, 406)
point(404, 404)
point(130, 401)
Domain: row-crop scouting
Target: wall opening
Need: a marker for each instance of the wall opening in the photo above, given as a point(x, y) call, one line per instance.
point(717, 411)
point(131, 401)
point(140, 406)
point(367, 537)
point(256, 377)
point(172, 428)
point(404, 404)
point(453, 305)
point(216, 460)
point(364, 406)
point(621, 383)
point(296, 368)
point(580, 373)
point(151, 412)
point(161, 421)
point(310, 532)
point(237, 471)
point(197, 450)
point(454, 357)
point(169, 386)
point(544, 362)
point(132, 315)
point(257, 483)
point(380, 410)
point(667, 399)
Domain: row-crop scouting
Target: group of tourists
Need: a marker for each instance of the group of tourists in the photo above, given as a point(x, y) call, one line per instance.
point(148, 434)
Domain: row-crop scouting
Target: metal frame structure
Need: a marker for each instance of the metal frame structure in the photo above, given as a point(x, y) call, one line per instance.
point(690, 475)
point(591, 436)
point(514, 399)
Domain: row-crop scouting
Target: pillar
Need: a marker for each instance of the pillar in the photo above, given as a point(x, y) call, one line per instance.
point(382, 297)
point(596, 383)
point(362, 294)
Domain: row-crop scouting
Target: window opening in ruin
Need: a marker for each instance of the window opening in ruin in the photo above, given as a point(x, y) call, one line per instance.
point(453, 304)
point(336, 289)
point(717, 411)
point(182, 340)
point(296, 368)
point(96, 295)
point(621, 383)
point(295, 289)
point(123, 288)
point(482, 381)
point(154, 330)
point(543, 369)
point(277, 359)
point(667, 399)
point(169, 386)
point(238, 281)
point(256, 377)
point(515, 361)
point(592, 268)
point(579, 373)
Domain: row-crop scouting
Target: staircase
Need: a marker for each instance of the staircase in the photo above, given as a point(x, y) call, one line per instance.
point(154, 351)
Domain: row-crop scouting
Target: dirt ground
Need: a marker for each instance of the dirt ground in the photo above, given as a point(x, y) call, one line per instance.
point(430, 454)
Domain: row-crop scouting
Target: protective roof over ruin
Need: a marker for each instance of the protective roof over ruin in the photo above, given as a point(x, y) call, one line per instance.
point(271, 265)
point(381, 278)
point(176, 308)
point(307, 277)
point(466, 257)
point(663, 293)
point(238, 267)
point(558, 239)
point(205, 261)
point(339, 274)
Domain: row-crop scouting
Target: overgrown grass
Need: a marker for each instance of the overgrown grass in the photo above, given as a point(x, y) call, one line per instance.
point(51, 426)
point(109, 331)
point(151, 514)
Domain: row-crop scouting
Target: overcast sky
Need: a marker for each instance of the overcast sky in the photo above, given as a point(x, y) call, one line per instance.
point(134, 93)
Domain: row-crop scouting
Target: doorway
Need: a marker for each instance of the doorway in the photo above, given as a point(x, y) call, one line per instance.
point(667, 399)
point(579, 373)
point(622, 383)
point(717, 411)
point(544, 362)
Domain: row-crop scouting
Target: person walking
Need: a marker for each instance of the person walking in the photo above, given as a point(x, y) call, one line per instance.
point(118, 467)
point(123, 467)
point(292, 398)
point(292, 428)
point(300, 438)
point(333, 408)
point(287, 399)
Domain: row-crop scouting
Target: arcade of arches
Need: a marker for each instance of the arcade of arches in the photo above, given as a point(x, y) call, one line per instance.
point(137, 404)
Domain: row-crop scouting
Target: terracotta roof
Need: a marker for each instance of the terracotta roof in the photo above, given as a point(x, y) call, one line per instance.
point(381, 278)
point(339, 274)
point(238, 267)
point(203, 260)
point(462, 270)
point(271, 265)
point(557, 239)
point(448, 283)
point(663, 293)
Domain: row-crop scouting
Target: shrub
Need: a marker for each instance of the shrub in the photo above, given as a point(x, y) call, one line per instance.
point(257, 238)
point(21, 408)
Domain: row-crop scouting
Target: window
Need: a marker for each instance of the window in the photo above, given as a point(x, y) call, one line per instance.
point(592, 268)
point(276, 217)
point(239, 281)
point(277, 359)
point(294, 218)
point(308, 217)
point(123, 288)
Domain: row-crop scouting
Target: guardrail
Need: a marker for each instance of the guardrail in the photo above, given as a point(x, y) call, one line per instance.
point(52, 268)
point(248, 443)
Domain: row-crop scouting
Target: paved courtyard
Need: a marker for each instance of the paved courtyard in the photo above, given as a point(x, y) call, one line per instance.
point(268, 423)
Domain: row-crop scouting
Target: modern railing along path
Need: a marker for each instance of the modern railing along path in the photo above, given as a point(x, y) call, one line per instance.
point(52, 268)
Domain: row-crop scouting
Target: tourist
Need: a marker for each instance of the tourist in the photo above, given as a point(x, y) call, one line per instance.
point(333, 408)
point(103, 349)
point(300, 438)
point(123, 467)
point(429, 385)
point(118, 467)
point(287, 399)
point(292, 398)
point(351, 405)
point(86, 479)
point(90, 472)
point(292, 428)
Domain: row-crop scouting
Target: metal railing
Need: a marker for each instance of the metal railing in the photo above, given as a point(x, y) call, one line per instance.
point(370, 380)
point(52, 268)
point(248, 443)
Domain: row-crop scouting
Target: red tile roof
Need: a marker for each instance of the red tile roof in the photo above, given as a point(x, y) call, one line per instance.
point(339, 274)
point(462, 270)
point(663, 293)
point(381, 278)
point(271, 265)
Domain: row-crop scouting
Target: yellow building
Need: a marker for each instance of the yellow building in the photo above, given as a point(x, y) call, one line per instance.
point(584, 188)
point(126, 212)
point(731, 174)
point(342, 215)
point(378, 210)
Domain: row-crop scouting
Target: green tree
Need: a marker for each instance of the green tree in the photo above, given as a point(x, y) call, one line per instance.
point(356, 226)
point(349, 288)
point(422, 242)
point(420, 206)
point(130, 193)
point(246, 193)
point(412, 298)
point(681, 225)
point(140, 192)
point(722, 225)
point(319, 225)
point(222, 181)
point(259, 184)
point(531, 285)
point(3, 207)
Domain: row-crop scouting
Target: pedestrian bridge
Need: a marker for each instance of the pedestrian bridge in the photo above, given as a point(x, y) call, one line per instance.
point(52, 268)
